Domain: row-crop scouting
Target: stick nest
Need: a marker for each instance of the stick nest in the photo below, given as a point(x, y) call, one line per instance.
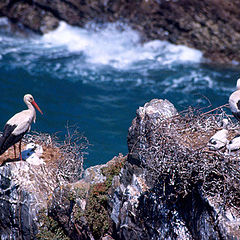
point(65, 157)
point(177, 155)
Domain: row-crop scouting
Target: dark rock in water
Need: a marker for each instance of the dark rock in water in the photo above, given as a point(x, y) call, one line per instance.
point(211, 26)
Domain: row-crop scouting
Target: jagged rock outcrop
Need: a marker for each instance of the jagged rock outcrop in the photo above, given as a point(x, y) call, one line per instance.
point(81, 209)
point(154, 194)
point(24, 191)
point(169, 186)
point(211, 26)
point(152, 206)
point(27, 187)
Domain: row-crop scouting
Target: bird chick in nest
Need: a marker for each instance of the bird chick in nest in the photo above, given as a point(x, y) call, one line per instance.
point(219, 139)
point(234, 144)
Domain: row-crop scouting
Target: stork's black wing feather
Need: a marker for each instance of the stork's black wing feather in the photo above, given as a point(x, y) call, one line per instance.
point(238, 104)
point(8, 139)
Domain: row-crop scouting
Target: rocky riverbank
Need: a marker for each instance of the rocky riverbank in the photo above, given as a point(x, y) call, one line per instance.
point(211, 26)
point(169, 186)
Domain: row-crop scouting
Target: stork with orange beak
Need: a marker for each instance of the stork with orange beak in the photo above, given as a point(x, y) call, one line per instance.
point(18, 125)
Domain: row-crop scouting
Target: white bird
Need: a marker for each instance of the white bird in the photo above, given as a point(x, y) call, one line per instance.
point(18, 125)
point(32, 154)
point(219, 139)
point(234, 102)
point(234, 144)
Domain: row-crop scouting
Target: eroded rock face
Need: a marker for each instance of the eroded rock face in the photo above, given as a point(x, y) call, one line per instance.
point(24, 190)
point(148, 118)
point(29, 15)
point(122, 199)
point(144, 208)
point(211, 26)
point(138, 211)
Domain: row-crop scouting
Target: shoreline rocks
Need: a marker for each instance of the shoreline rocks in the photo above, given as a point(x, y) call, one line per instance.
point(210, 26)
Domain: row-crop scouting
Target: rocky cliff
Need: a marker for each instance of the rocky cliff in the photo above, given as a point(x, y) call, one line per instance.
point(172, 186)
point(169, 186)
point(211, 26)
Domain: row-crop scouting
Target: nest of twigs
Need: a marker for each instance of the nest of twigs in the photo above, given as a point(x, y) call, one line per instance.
point(65, 157)
point(177, 154)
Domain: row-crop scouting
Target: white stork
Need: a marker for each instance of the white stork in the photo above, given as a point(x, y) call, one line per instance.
point(234, 102)
point(219, 139)
point(18, 125)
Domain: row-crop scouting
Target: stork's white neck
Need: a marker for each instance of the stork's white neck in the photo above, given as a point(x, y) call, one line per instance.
point(32, 110)
point(29, 105)
point(238, 84)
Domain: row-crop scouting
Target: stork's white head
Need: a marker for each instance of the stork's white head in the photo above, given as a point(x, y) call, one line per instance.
point(28, 99)
point(238, 84)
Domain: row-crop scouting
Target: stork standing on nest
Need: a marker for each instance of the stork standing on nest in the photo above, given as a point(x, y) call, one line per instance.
point(18, 125)
point(219, 139)
point(234, 102)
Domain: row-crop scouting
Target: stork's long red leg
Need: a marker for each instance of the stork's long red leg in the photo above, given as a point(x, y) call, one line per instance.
point(20, 152)
point(15, 151)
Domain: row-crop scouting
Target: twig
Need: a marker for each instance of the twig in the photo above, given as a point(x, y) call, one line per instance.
point(225, 105)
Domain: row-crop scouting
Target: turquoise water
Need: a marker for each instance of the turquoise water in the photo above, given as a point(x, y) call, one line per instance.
point(96, 78)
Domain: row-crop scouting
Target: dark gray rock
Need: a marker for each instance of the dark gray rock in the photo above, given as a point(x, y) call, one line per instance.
point(146, 207)
point(23, 193)
point(148, 118)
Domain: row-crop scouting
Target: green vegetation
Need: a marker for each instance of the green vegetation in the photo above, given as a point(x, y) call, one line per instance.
point(50, 229)
point(97, 206)
point(97, 210)
point(113, 170)
point(96, 213)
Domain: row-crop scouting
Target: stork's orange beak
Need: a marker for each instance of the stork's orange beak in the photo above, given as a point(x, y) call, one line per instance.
point(36, 106)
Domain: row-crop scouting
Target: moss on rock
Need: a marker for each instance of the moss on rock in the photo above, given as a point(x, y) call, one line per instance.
point(49, 228)
point(97, 213)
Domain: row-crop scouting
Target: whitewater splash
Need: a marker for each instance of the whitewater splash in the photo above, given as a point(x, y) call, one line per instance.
point(117, 45)
point(114, 44)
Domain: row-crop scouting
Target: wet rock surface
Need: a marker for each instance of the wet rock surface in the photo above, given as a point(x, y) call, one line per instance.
point(210, 26)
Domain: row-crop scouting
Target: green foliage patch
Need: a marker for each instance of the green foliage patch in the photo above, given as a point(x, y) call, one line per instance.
point(49, 229)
